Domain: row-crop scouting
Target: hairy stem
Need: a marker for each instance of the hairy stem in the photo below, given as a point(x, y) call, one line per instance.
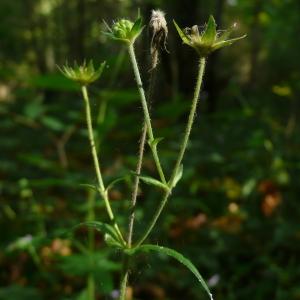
point(136, 184)
point(126, 262)
point(146, 112)
point(101, 187)
point(181, 152)
point(124, 277)
point(126, 259)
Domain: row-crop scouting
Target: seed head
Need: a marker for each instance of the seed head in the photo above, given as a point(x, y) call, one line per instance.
point(159, 33)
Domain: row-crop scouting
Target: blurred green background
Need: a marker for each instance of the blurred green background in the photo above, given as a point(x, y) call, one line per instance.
point(235, 212)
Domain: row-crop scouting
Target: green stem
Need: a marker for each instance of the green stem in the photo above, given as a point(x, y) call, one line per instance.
point(92, 140)
point(181, 152)
point(146, 112)
point(101, 187)
point(91, 242)
point(126, 259)
point(126, 262)
point(124, 278)
point(91, 287)
point(136, 184)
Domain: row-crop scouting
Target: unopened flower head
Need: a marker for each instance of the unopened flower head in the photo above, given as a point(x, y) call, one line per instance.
point(122, 28)
point(125, 30)
point(159, 31)
point(83, 74)
point(209, 39)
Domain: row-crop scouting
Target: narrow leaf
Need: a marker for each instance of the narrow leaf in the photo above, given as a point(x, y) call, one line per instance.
point(99, 226)
point(90, 186)
point(182, 35)
point(115, 182)
point(90, 66)
point(112, 242)
point(153, 181)
point(176, 255)
point(210, 33)
point(100, 69)
point(224, 35)
point(136, 28)
point(227, 43)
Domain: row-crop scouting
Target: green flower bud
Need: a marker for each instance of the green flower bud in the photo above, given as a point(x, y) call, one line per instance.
point(125, 31)
point(84, 74)
point(209, 40)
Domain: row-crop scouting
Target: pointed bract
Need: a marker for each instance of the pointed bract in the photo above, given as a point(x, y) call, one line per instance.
point(210, 33)
point(222, 44)
point(84, 74)
point(183, 36)
point(125, 30)
point(209, 40)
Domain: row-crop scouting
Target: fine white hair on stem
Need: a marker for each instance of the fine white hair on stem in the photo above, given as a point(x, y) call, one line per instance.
point(159, 33)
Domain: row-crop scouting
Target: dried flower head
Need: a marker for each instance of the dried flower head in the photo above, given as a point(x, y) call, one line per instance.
point(83, 74)
point(209, 39)
point(125, 30)
point(159, 32)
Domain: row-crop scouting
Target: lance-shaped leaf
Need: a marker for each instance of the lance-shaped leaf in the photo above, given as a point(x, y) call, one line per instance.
point(112, 242)
point(222, 44)
point(152, 181)
point(99, 71)
point(137, 28)
point(104, 228)
point(176, 255)
point(225, 34)
point(114, 182)
point(210, 32)
point(89, 186)
point(183, 36)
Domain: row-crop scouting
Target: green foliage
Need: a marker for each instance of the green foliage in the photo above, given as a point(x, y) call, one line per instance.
point(102, 227)
point(234, 212)
point(84, 74)
point(174, 254)
point(125, 31)
point(154, 182)
point(207, 41)
point(17, 292)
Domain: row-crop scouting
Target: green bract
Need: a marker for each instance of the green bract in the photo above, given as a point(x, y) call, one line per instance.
point(209, 39)
point(83, 74)
point(125, 31)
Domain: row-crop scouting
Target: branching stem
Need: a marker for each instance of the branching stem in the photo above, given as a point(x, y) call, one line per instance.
point(146, 112)
point(101, 187)
point(181, 152)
